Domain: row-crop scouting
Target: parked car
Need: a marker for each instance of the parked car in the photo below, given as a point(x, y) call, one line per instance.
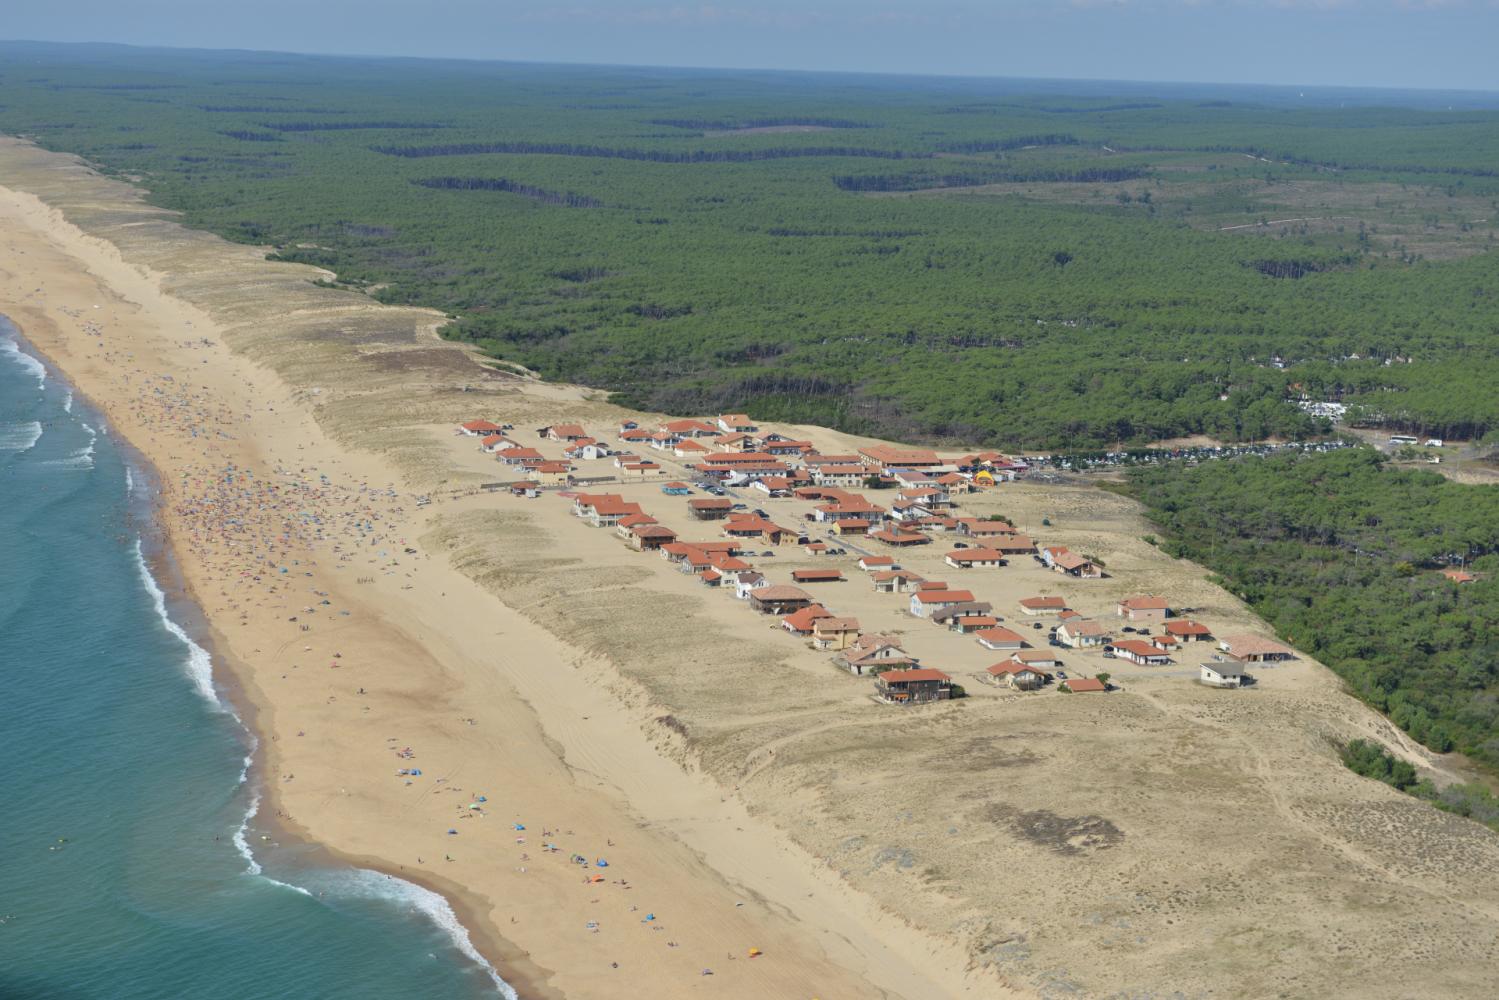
point(960, 545)
point(1061, 675)
point(1038, 625)
point(760, 513)
point(1128, 628)
point(739, 506)
point(767, 552)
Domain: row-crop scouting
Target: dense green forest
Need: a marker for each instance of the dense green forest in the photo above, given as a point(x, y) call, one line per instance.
point(1040, 264)
point(1343, 556)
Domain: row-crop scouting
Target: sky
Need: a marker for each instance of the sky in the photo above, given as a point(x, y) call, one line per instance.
point(1432, 44)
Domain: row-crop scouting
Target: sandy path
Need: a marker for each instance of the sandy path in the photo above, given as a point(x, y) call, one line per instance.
point(420, 651)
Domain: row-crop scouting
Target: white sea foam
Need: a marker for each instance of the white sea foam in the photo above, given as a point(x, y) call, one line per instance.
point(80, 458)
point(10, 349)
point(199, 665)
point(67, 401)
point(362, 883)
point(129, 480)
point(21, 436)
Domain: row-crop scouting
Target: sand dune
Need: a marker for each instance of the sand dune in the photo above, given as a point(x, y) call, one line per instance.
point(1158, 840)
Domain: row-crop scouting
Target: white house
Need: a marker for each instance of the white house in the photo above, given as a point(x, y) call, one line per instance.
point(1223, 675)
point(924, 602)
point(1082, 633)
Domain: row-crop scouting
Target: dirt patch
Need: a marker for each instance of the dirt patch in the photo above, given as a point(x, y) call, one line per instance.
point(1062, 834)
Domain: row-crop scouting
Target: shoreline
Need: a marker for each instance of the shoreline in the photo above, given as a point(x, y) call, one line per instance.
point(144, 511)
point(538, 772)
point(1001, 845)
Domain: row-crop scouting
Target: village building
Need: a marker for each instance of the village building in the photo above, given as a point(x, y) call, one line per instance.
point(1082, 633)
point(480, 428)
point(747, 582)
point(894, 581)
point(1254, 649)
point(1186, 630)
point(690, 428)
point(925, 602)
point(1143, 609)
point(1222, 674)
point(970, 558)
point(690, 449)
point(899, 539)
point(1138, 651)
point(640, 470)
point(873, 653)
point(1458, 576)
point(565, 432)
point(603, 510)
point(773, 486)
point(736, 423)
point(1013, 545)
point(971, 624)
point(888, 459)
point(913, 687)
point(748, 526)
point(736, 442)
point(963, 611)
point(801, 621)
point(807, 576)
point(710, 508)
point(1166, 643)
point(840, 475)
point(551, 473)
point(496, 442)
point(871, 563)
point(999, 637)
point(779, 599)
point(1039, 658)
point(977, 527)
point(1084, 685)
point(846, 527)
point(649, 537)
point(524, 457)
point(1016, 675)
point(856, 510)
point(834, 633)
point(1043, 605)
point(676, 489)
point(1072, 564)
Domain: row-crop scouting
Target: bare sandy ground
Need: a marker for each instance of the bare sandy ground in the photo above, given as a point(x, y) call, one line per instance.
point(1165, 839)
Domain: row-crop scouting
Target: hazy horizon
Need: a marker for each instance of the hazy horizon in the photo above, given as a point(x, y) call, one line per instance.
point(1376, 44)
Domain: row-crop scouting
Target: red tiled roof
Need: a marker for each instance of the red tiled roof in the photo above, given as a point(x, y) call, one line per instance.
point(925, 674)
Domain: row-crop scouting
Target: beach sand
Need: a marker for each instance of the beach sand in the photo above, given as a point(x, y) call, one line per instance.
point(745, 794)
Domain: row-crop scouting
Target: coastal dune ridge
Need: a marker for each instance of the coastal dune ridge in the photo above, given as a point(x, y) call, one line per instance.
point(552, 686)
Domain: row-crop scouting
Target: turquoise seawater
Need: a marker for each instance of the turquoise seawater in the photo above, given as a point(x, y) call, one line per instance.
point(130, 862)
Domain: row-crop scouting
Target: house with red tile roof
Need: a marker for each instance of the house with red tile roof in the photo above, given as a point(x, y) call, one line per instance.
point(736, 423)
point(924, 602)
point(779, 599)
point(648, 537)
point(971, 624)
point(888, 458)
point(1146, 608)
point(913, 687)
point(1082, 633)
point(1073, 564)
point(566, 432)
point(710, 508)
point(834, 633)
point(690, 428)
point(1083, 685)
point(1042, 605)
point(894, 581)
point(999, 637)
point(806, 576)
point(551, 473)
point(969, 558)
point(520, 456)
point(1186, 630)
point(871, 563)
point(800, 621)
point(873, 653)
point(1012, 545)
point(899, 539)
point(479, 428)
point(1138, 651)
point(496, 442)
point(1016, 675)
point(1039, 658)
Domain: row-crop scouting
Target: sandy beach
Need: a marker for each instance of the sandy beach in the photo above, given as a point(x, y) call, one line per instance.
point(565, 698)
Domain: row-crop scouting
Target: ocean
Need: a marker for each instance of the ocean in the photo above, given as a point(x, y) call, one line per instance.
point(131, 863)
